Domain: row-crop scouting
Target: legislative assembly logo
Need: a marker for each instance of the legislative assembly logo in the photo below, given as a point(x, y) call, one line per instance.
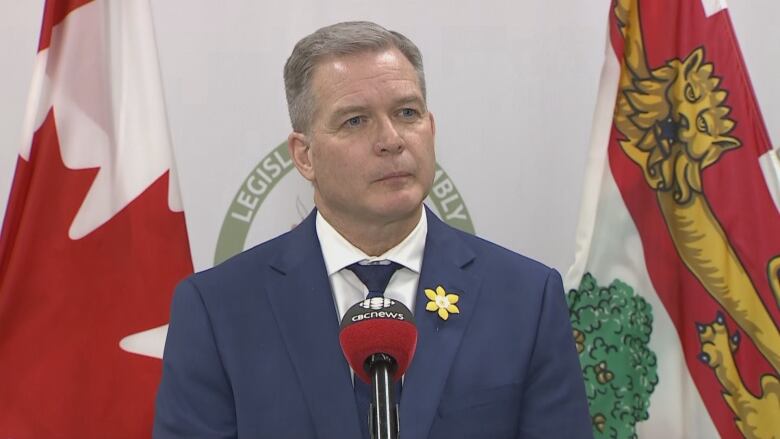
point(241, 227)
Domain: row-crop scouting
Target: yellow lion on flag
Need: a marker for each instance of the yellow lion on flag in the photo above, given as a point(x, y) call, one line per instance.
point(675, 124)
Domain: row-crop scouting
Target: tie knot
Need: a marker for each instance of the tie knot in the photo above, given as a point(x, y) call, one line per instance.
point(375, 276)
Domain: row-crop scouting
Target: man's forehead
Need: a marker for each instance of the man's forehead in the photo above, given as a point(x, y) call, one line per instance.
point(385, 56)
point(342, 76)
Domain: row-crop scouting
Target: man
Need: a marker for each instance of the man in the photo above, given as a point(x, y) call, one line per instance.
point(252, 349)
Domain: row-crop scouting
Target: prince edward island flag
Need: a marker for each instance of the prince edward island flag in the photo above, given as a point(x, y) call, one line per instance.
point(674, 294)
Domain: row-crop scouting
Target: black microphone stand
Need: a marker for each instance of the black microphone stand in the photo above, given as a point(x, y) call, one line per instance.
point(383, 422)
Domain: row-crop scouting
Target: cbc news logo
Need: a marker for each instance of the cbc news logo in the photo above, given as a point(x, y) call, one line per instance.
point(377, 308)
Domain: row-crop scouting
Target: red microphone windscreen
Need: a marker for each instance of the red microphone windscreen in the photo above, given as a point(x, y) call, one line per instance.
point(378, 325)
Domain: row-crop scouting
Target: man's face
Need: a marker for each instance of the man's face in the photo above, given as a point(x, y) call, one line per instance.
point(370, 146)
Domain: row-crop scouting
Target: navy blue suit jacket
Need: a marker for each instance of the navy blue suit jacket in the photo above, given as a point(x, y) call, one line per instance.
point(253, 351)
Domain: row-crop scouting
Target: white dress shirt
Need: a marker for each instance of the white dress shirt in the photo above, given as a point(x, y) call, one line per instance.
point(348, 289)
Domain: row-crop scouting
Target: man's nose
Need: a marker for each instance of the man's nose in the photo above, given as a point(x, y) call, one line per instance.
point(388, 139)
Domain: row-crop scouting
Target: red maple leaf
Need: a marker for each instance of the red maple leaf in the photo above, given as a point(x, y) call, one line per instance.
point(65, 304)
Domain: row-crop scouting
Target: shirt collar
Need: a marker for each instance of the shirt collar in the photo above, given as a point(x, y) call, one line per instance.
point(340, 253)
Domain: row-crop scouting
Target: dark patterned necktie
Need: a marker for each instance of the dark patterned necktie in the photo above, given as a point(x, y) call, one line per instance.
point(375, 277)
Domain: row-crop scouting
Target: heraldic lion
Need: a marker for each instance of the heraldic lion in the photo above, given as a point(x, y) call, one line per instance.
point(674, 123)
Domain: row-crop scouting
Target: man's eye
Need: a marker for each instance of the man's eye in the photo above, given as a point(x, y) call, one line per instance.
point(409, 112)
point(354, 121)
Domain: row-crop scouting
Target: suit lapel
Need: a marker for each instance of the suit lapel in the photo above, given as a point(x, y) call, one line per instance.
point(302, 302)
point(445, 262)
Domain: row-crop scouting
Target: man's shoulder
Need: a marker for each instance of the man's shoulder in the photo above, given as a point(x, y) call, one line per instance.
point(499, 252)
point(245, 266)
point(496, 255)
point(507, 278)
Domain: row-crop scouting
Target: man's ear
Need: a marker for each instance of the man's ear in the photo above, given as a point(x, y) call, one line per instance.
point(433, 123)
point(300, 153)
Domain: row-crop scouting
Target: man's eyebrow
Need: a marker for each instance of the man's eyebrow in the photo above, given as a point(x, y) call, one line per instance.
point(340, 112)
point(410, 99)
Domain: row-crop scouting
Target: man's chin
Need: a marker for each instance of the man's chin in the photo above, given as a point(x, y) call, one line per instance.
point(399, 211)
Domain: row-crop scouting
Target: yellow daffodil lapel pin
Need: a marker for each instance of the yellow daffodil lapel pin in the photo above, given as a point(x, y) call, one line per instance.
point(442, 302)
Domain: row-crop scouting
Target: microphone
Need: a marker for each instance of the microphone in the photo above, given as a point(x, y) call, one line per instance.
point(378, 338)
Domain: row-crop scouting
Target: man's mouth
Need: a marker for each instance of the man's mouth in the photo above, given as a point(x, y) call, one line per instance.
point(394, 176)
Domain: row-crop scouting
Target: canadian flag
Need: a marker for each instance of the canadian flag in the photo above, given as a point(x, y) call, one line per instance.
point(94, 237)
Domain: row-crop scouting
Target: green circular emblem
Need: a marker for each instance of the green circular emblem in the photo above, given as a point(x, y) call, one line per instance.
point(276, 165)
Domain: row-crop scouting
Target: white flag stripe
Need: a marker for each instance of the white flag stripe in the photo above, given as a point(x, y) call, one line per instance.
point(770, 168)
point(596, 163)
point(38, 103)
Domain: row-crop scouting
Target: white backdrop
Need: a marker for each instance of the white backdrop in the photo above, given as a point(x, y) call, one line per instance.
point(512, 85)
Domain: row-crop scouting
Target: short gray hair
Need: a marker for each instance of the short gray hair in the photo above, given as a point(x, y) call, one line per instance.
point(340, 39)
